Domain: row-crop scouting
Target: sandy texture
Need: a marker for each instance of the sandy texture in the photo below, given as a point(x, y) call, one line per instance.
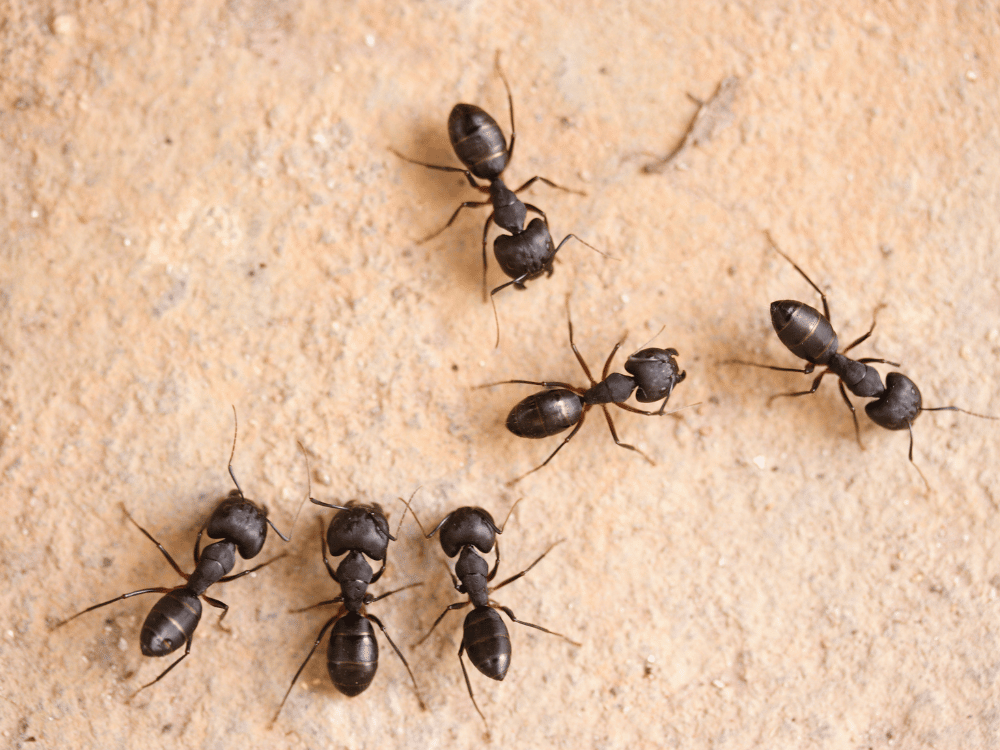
point(199, 210)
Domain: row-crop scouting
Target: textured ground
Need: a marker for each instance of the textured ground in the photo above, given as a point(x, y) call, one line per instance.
point(198, 209)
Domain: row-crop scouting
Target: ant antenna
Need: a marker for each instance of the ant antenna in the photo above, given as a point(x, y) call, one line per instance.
point(955, 408)
point(408, 508)
point(662, 329)
point(233, 453)
point(504, 524)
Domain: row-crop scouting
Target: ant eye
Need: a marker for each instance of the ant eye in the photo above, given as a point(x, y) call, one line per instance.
point(168, 643)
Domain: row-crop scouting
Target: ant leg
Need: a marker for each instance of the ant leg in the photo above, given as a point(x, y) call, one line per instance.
point(326, 561)
point(619, 443)
point(909, 426)
point(854, 414)
point(454, 579)
point(395, 591)
point(531, 625)
point(308, 657)
point(546, 383)
point(112, 601)
point(380, 571)
point(219, 605)
point(465, 674)
point(826, 307)
point(865, 336)
point(467, 204)
point(399, 653)
point(197, 547)
point(540, 212)
point(449, 608)
point(870, 360)
point(159, 546)
point(510, 104)
point(317, 605)
point(661, 413)
point(442, 168)
point(521, 574)
point(805, 370)
point(496, 564)
point(579, 357)
point(255, 568)
point(165, 671)
point(552, 455)
point(607, 363)
point(812, 390)
point(548, 182)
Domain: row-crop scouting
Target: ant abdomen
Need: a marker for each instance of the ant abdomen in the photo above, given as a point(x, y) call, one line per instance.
point(478, 140)
point(545, 413)
point(170, 623)
point(352, 656)
point(804, 330)
point(487, 642)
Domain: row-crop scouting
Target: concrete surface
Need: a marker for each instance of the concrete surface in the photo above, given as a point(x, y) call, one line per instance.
point(199, 210)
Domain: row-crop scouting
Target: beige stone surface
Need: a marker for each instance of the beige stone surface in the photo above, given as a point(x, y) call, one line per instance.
point(198, 209)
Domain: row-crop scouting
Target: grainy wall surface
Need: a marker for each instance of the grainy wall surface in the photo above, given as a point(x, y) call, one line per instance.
point(199, 209)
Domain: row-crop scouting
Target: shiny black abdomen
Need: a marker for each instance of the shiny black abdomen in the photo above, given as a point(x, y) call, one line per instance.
point(547, 413)
point(804, 330)
point(170, 623)
point(486, 639)
point(478, 141)
point(352, 656)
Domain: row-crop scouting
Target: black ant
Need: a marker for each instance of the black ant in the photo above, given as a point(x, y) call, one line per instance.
point(526, 253)
point(653, 375)
point(242, 527)
point(809, 335)
point(357, 529)
point(484, 634)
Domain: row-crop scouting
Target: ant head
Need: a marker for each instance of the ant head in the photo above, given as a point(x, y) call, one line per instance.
point(239, 521)
point(478, 141)
point(468, 526)
point(655, 372)
point(898, 406)
point(361, 527)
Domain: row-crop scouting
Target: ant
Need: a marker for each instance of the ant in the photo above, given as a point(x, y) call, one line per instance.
point(809, 335)
point(484, 634)
point(242, 527)
point(653, 375)
point(357, 529)
point(527, 252)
